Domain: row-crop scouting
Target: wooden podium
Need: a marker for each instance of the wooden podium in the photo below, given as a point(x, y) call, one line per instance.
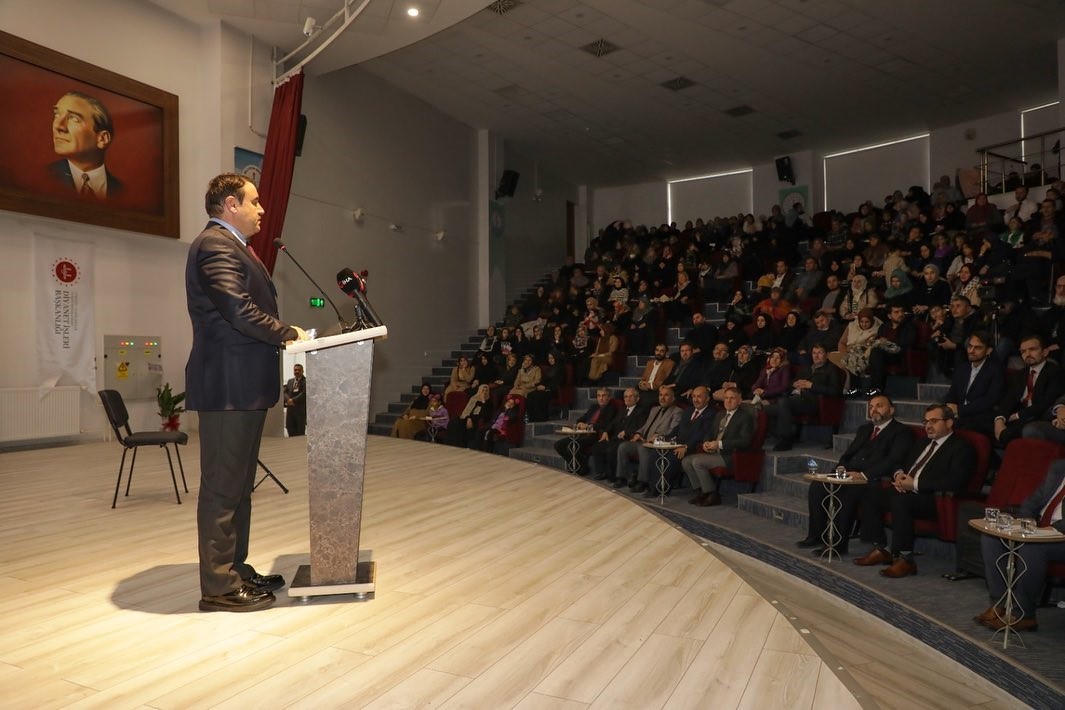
point(338, 405)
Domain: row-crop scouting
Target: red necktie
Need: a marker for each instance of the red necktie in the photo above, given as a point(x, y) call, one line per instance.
point(876, 433)
point(1030, 386)
point(695, 415)
point(595, 417)
point(255, 256)
point(1048, 512)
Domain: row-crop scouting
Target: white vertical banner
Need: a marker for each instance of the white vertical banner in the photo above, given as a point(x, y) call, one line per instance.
point(66, 333)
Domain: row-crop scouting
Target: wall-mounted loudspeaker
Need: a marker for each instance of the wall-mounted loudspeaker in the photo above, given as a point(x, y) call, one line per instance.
point(507, 184)
point(301, 133)
point(784, 173)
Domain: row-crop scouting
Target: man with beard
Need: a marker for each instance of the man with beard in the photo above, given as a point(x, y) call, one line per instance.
point(875, 453)
point(1052, 321)
point(662, 419)
point(1030, 392)
point(948, 342)
point(976, 387)
point(719, 368)
point(702, 336)
point(687, 375)
point(825, 332)
point(833, 296)
point(898, 330)
point(655, 373)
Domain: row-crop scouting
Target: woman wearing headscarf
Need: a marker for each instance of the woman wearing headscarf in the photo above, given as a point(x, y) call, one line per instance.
point(854, 346)
point(774, 380)
point(899, 291)
point(463, 430)
point(859, 297)
point(412, 421)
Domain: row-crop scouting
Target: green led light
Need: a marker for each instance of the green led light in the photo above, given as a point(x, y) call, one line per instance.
point(316, 302)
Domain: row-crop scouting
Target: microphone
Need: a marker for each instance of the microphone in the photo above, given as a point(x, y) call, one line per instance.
point(353, 285)
point(281, 247)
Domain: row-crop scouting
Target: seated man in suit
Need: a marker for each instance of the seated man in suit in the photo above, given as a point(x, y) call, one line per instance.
point(598, 417)
point(732, 428)
point(655, 373)
point(874, 455)
point(662, 419)
point(1030, 392)
point(687, 375)
point(603, 454)
point(690, 433)
point(820, 378)
point(976, 386)
point(1044, 505)
point(940, 463)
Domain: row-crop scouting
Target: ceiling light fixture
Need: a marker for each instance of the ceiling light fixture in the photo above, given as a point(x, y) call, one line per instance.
point(413, 12)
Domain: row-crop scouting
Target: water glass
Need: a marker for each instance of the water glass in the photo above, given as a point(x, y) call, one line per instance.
point(1028, 525)
point(991, 516)
point(841, 471)
point(1005, 522)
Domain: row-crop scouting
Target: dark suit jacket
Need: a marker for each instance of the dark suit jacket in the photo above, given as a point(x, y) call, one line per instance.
point(235, 362)
point(606, 416)
point(881, 458)
point(982, 398)
point(948, 469)
point(297, 392)
point(737, 435)
point(1033, 505)
point(61, 176)
point(693, 433)
point(628, 423)
point(1048, 387)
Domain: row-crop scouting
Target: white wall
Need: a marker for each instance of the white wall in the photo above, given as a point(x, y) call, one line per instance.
point(708, 197)
point(535, 234)
point(372, 146)
point(767, 187)
point(640, 204)
point(140, 279)
point(954, 147)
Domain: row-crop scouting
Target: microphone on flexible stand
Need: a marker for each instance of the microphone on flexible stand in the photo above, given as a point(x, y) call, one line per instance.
point(354, 285)
point(344, 325)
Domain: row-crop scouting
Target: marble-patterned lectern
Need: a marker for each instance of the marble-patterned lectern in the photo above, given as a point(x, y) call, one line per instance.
point(338, 405)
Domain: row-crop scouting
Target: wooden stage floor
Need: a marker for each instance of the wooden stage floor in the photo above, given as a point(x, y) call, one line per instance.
point(501, 584)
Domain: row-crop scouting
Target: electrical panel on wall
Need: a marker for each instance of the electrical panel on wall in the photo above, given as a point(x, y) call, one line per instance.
point(133, 365)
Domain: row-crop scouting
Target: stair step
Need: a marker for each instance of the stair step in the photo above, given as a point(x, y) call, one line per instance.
point(775, 506)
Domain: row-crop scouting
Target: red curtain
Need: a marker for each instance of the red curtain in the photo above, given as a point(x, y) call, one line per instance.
point(278, 161)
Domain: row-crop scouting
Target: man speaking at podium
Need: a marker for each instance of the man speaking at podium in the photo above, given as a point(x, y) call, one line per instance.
point(231, 379)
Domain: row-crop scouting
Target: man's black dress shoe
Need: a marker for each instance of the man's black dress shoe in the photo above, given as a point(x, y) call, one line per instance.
point(265, 582)
point(245, 598)
point(809, 542)
point(600, 477)
point(640, 487)
point(620, 483)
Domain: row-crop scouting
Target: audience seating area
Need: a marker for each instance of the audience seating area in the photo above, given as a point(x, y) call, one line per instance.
point(1015, 298)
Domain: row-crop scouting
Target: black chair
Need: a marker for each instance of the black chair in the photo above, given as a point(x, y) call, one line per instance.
point(119, 418)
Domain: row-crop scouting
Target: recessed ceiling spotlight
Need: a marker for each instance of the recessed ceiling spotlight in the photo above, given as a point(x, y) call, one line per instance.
point(413, 12)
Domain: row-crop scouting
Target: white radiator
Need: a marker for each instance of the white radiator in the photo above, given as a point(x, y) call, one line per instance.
point(25, 415)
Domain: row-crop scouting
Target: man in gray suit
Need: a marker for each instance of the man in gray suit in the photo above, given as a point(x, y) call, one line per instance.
point(662, 419)
point(231, 379)
point(1045, 506)
point(733, 428)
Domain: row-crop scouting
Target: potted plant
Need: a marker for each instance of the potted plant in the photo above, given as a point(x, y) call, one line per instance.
point(170, 408)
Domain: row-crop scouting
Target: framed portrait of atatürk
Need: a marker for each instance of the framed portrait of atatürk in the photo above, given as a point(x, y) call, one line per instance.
point(81, 143)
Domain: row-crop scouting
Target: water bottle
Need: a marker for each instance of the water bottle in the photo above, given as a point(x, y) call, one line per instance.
point(811, 466)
